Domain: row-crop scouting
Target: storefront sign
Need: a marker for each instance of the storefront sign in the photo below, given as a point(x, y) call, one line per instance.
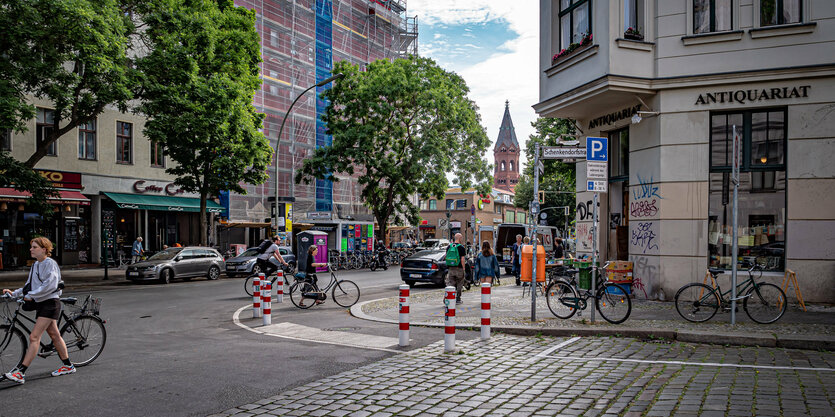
point(319, 215)
point(757, 94)
point(60, 179)
point(170, 189)
point(614, 117)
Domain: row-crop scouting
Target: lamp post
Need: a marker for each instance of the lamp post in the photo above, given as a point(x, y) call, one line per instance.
point(281, 129)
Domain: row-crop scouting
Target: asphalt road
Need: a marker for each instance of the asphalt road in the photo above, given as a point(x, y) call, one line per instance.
point(174, 350)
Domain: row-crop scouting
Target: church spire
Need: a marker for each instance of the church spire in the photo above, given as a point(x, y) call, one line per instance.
point(507, 134)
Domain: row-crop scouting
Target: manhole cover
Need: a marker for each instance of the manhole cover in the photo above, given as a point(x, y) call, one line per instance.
point(341, 329)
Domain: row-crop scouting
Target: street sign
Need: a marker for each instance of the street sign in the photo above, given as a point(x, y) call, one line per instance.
point(598, 186)
point(563, 152)
point(737, 141)
point(541, 167)
point(597, 149)
point(534, 207)
point(472, 209)
point(543, 215)
point(596, 170)
point(442, 223)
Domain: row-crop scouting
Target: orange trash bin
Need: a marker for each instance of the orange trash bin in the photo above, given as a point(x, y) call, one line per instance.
point(527, 263)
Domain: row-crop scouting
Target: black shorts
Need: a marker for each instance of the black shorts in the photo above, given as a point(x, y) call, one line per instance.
point(50, 309)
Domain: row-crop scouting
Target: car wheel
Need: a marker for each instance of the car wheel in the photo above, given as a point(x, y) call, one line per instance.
point(255, 270)
point(214, 273)
point(165, 276)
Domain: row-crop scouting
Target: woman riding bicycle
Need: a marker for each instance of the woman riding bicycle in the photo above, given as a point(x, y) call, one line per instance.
point(41, 288)
point(310, 269)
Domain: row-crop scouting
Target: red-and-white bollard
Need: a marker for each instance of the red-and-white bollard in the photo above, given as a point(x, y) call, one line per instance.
point(449, 320)
point(267, 302)
point(485, 311)
point(404, 315)
point(256, 296)
point(279, 287)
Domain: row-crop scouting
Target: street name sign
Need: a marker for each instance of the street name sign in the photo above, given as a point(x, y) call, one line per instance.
point(563, 152)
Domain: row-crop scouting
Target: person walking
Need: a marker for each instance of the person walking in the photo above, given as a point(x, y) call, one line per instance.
point(455, 258)
point(516, 260)
point(486, 266)
point(42, 288)
point(263, 259)
point(137, 250)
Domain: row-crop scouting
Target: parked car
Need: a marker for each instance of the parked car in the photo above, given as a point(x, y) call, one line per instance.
point(401, 246)
point(178, 263)
point(429, 244)
point(244, 264)
point(425, 266)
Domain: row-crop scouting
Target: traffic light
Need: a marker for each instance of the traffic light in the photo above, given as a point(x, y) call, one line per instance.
point(541, 197)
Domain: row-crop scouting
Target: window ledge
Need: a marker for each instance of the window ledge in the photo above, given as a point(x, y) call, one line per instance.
point(576, 57)
point(635, 44)
point(703, 38)
point(782, 30)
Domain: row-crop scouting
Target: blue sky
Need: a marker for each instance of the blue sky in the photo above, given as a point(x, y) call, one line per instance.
point(457, 46)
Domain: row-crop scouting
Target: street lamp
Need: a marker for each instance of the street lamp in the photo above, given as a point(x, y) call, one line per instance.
point(281, 129)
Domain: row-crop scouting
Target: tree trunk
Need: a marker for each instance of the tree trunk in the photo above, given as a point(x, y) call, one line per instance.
point(204, 224)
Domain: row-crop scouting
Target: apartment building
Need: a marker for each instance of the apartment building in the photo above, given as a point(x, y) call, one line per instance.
point(669, 83)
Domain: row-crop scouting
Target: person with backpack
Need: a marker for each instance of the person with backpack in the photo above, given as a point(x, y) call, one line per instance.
point(266, 249)
point(487, 265)
point(456, 254)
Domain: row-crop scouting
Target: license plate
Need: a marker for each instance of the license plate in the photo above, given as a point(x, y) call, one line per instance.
point(415, 276)
point(133, 274)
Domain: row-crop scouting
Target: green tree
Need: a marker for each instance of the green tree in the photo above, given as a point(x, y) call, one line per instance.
point(14, 174)
point(401, 125)
point(200, 78)
point(559, 179)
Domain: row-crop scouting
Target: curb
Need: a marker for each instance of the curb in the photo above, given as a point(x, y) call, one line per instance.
point(808, 342)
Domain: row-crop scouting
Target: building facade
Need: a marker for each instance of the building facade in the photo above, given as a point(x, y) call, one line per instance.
point(670, 83)
point(454, 214)
point(506, 154)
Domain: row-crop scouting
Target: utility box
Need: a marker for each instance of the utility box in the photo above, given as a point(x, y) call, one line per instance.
point(527, 263)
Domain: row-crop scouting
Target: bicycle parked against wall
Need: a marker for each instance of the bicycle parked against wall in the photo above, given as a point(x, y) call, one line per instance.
point(82, 330)
point(344, 292)
point(763, 302)
point(565, 298)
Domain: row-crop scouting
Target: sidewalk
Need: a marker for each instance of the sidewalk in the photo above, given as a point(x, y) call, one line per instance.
point(71, 276)
point(511, 314)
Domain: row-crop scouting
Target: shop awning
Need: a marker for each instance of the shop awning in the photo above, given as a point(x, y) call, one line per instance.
point(254, 225)
point(162, 203)
point(64, 197)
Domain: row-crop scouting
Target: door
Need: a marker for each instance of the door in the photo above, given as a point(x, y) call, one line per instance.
point(186, 266)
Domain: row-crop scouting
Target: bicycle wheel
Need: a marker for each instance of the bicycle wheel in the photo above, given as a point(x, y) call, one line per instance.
point(85, 337)
point(697, 302)
point(562, 299)
point(13, 346)
point(613, 303)
point(297, 291)
point(765, 303)
point(345, 293)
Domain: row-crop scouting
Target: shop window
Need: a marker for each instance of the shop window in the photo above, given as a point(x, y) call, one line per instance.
point(619, 154)
point(633, 19)
point(575, 21)
point(45, 125)
point(780, 12)
point(157, 155)
point(712, 16)
point(87, 140)
point(6, 140)
point(124, 142)
point(433, 204)
point(762, 189)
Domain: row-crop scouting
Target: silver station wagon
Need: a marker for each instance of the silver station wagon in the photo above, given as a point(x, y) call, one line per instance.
point(178, 263)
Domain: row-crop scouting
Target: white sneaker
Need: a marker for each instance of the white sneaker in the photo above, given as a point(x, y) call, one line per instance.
point(63, 370)
point(16, 376)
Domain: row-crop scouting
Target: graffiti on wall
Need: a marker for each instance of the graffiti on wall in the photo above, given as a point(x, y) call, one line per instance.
point(584, 210)
point(645, 198)
point(584, 237)
point(645, 274)
point(643, 238)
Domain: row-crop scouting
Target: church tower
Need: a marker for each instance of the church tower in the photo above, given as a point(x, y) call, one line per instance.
point(506, 154)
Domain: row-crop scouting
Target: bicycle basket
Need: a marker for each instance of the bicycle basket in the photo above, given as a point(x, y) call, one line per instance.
point(89, 306)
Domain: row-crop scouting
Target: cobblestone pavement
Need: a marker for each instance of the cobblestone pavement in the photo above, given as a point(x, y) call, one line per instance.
point(542, 376)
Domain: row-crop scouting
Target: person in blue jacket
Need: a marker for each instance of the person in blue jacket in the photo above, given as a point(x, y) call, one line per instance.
point(486, 266)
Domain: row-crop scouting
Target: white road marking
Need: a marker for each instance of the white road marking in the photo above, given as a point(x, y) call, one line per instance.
point(682, 363)
point(328, 335)
point(551, 349)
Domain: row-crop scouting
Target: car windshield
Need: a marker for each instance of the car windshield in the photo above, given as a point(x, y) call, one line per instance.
point(431, 242)
point(164, 255)
point(250, 252)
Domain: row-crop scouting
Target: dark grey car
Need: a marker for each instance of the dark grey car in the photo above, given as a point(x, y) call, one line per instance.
point(178, 263)
point(425, 266)
point(244, 264)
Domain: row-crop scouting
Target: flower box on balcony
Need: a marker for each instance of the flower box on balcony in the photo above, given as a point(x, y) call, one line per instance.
point(585, 41)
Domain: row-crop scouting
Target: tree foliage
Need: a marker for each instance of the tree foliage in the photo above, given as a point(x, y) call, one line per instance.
point(402, 125)
point(14, 174)
point(559, 179)
point(199, 81)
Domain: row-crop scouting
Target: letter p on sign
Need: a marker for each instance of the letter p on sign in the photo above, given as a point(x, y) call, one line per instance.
point(597, 149)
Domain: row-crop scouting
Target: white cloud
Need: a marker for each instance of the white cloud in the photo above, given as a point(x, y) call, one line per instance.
point(510, 73)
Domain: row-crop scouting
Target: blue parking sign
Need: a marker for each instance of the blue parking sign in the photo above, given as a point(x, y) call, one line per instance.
point(597, 149)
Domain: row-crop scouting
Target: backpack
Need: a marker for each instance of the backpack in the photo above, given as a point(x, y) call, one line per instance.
point(262, 248)
point(453, 258)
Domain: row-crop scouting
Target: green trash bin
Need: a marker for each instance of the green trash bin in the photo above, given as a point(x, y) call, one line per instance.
point(584, 279)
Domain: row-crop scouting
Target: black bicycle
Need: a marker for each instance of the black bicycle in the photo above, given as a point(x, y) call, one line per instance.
point(288, 274)
point(82, 330)
point(344, 292)
point(564, 298)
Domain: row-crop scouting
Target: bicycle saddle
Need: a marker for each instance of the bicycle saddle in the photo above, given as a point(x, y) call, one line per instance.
point(69, 300)
point(716, 271)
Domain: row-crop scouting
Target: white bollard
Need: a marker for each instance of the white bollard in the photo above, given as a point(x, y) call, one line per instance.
point(449, 320)
point(485, 311)
point(279, 287)
point(266, 302)
point(256, 296)
point(404, 315)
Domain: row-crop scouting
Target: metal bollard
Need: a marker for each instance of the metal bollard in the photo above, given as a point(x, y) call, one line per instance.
point(279, 287)
point(485, 311)
point(256, 296)
point(266, 302)
point(449, 320)
point(404, 315)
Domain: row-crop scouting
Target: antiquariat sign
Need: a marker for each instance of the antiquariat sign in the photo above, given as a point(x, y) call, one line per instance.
point(614, 117)
point(754, 95)
point(170, 188)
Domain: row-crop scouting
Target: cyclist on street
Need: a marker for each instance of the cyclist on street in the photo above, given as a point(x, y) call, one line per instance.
point(263, 260)
point(42, 289)
point(310, 270)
